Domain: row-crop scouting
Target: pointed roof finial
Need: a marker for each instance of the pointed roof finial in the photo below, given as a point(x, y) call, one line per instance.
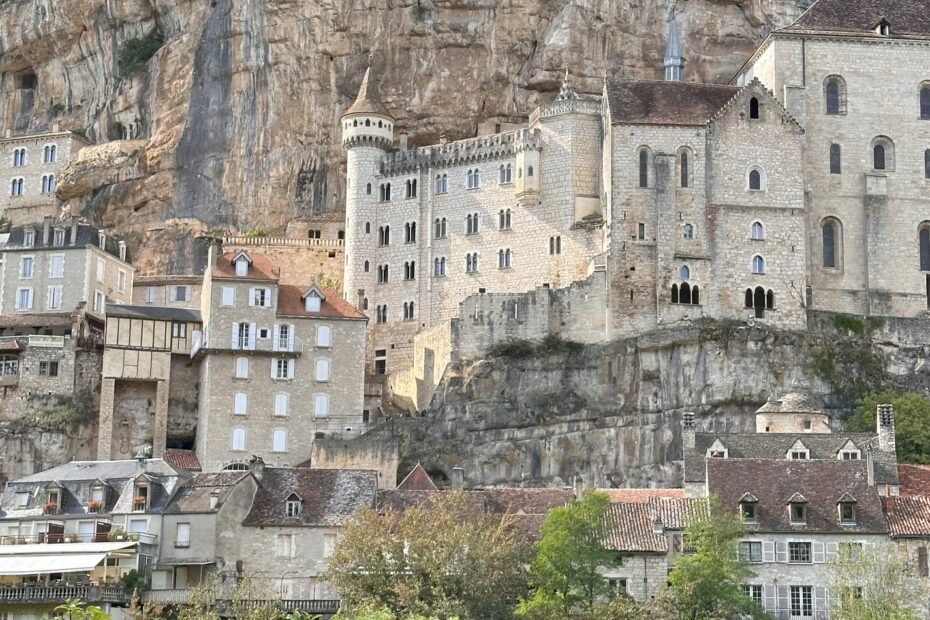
point(566, 92)
point(673, 62)
point(368, 101)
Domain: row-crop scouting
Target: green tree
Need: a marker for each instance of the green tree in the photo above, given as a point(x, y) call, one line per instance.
point(875, 583)
point(706, 582)
point(76, 610)
point(213, 600)
point(448, 559)
point(911, 417)
point(566, 574)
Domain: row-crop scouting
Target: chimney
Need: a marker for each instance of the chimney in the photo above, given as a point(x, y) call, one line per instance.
point(74, 229)
point(579, 486)
point(870, 466)
point(687, 432)
point(657, 527)
point(885, 418)
point(403, 141)
point(56, 127)
point(257, 467)
point(889, 504)
point(214, 498)
point(211, 256)
point(443, 139)
point(457, 478)
point(7, 133)
point(47, 230)
point(102, 239)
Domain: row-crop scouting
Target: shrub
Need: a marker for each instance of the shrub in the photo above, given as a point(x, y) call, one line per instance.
point(849, 323)
point(256, 231)
point(134, 53)
point(517, 349)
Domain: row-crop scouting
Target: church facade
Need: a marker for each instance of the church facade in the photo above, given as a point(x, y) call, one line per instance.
point(804, 184)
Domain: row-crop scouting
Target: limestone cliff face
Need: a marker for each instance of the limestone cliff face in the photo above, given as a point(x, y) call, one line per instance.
point(234, 121)
point(612, 413)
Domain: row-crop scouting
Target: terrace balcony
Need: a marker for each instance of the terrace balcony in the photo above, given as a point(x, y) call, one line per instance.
point(59, 593)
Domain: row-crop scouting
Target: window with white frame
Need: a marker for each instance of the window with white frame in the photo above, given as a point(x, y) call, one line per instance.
point(149, 294)
point(56, 266)
point(282, 368)
point(260, 297)
point(279, 440)
point(321, 405)
point(754, 592)
point(799, 552)
point(26, 267)
point(281, 402)
point(292, 505)
point(99, 301)
point(242, 267)
point(313, 303)
point(180, 293)
point(121, 281)
point(285, 546)
point(238, 439)
point(59, 236)
point(53, 297)
point(29, 238)
point(240, 403)
point(324, 336)
point(229, 296)
point(182, 535)
point(24, 298)
point(758, 264)
point(802, 601)
point(322, 370)
point(750, 551)
point(242, 367)
point(101, 269)
point(16, 186)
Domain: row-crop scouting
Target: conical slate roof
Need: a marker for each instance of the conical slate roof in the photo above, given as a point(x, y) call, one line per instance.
point(367, 101)
point(794, 402)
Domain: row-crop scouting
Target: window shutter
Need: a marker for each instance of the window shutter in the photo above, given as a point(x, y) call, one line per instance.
point(817, 553)
point(252, 334)
point(290, 369)
point(781, 552)
point(768, 551)
point(268, 297)
point(274, 365)
point(251, 296)
point(832, 549)
point(172, 293)
point(274, 337)
point(820, 601)
point(235, 335)
point(783, 600)
point(290, 337)
point(768, 597)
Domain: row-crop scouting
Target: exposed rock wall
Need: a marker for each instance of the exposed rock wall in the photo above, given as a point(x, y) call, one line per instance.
point(612, 413)
point(234, 121)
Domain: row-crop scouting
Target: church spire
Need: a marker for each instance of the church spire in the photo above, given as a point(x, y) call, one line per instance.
point(674, 62)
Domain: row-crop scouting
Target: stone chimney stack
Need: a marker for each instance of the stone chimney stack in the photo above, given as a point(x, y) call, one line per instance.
point(214, 499)
point(74, 229)
point(658, 527)
point(443, 139)
point(47, 230)
point(886, 435)
point(257, 467)
point(56, 127)
point(457, 478)
point(7, 133)
point(687, 432)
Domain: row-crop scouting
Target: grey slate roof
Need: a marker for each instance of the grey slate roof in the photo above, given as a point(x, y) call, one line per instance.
point(157, 313)
point(86, 235)
point(794, 402)
point(329, 496)
point(909, 19)
point(775, 446)
point(194, 496)
point(654, 102)
point(821, 483)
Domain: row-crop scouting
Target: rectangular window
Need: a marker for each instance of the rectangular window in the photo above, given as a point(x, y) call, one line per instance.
point(754, 592)
point(240, 403)
point(150, 294)
point(121, 281)
point(22, 499)
point(48, 369)
point(26, 264)
point(802, 601)
point(242, 368)
point(641, 231)
point(182, 536)
point(24, 299)
point(229, 296)
point(245, 337)
point(181, 293)
point(321, 405)
point(750, 551)
point(99, 301)
point(53, 297)
point(261, 297)
point(283, 369)
point(281, 404)
point(101, 269)
point(279, 441)
point(799, 552)
point(29, 238)
point(59, 236)
point(56, 266)
point(380, 361)
point(178, 330)
point(283, 337)
point(329, 544)
point(284, 546)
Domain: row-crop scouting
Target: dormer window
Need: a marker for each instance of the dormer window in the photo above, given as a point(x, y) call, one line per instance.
point(29, 238)
point(747, 509)
point(97, 493)
point(242, 267)
point(59, 236)
point(140, 497)
point(102, 240)
point(798, 452)
point(22, 499)
point(52, 501)
point(314, 297)
point(883, 28)
point(808, 426)
point(797, 509)
point(849, 452)
point(717, 454)
point(292, 505)
point(717, 450)
point(799, 455)
point(847, 513)
point(314, 303)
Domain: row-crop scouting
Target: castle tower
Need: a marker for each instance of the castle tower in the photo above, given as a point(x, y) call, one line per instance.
point(367, 133)
point(674, 62)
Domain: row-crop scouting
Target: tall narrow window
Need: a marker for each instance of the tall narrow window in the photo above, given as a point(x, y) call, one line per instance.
point(925, 102)
point(835, 159)
point(927, 164)
point(688, 232)
point(758, 231)
point(684, 168)
point(754, 108)
point(878, 157)
point(755, 180)
point(834, 93)
point(758, 264)
point(643, 168)
point(924, 237)
point(831, 236)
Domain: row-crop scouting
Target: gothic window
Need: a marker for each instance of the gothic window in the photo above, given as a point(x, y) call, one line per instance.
point(368, 189)
point(383, 275)
point(674, 293)
point(758, 264)
point(440, 228)
point(410, 232)
point(835, 159)
point(688, 232)
point(364, 303)
point(529, 171)
point(408, 311)
point(925, 102)
point(685, 272)
point(754, 108)
point(410, 186)
point(471, 224)
point(367, 228)
point(504, 219)
point(834, 93)
point(366, 266)
point(882, 153)
point(503, 259)
point(410, 270)
point(684, 169)
point(381, 314)
point(555, 245)
point(439, 266)
point(471, 263)
point(644, 167)
point(770, 300)
point(384, 235)
point(684, 294)
point(924, 241)
point(385, 192)
point(756, 179)
point(927, 164)
point(508, 173)
point(442, 183)
point(757, 232)
point(831, 235)
point(695, 295)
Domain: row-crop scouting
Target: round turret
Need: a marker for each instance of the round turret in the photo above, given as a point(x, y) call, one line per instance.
point(367, 122)
point(795, 412)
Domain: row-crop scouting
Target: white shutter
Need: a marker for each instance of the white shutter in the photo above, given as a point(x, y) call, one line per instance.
point(235, 335)
point(274, 336)
point(172, 293)
point(781, 552)
point(229, 296)
point(280, 404)
point(769, 602)
point(820, 600)
point(784, 602)
point(290, 369)
point(274, 365)
point(768, 551)
point(832, 549)
point(251, 296)
point(817, 553)
point(268, 297)
point(252, 333)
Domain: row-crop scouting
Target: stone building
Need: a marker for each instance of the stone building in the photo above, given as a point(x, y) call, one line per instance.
point(281, 365)
point(29, 168)
point(655, 202)
point(168, 291)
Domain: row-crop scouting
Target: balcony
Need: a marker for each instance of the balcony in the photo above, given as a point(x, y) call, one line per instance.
point(53, 538)
point(325, 608)
point(166, 597)
point(41, 593)
point(262, 345)
point(50, 342)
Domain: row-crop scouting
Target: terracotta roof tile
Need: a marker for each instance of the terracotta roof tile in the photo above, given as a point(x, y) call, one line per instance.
point(666, 103)
point(329, 495)
point(291, 303)
point(908, 516)
point(641, 496)
point(907, 18)
point(183, 459)
point(630, 525)
point(417, 480)
point(914, 479)
point(262, 268)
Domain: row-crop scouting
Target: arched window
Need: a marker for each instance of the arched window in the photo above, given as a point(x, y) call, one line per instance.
point(685, 272)
point(508, 173)
point(322, 370)
point(835, 159)
point(924, 241)
point(364, 303)
point(758, 264)
point(754, 108)
point(882, 153)
point(755, 179)
point(367, 228)
point(502, 174)
point(644, 167)
point(366, 266)
point(770, 300)
point(674, 293)
point(683, 179)
point(834, 93)
point(324, 336)
point(757, 232)
point(831, 236)
point(368, 189)
point(529, 171)
point(367, 122)
point(240, 403)
point(688, 232)
point(758, 302)
point(748, 298)
point(925, 101)
point(684, 295)
point(695, 295)
point(503, 259)
point(927, 164)
point(477, 177)
point(238, 439)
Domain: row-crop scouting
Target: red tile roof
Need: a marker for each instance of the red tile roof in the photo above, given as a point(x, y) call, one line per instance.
point(630, 525)
point(182, 459)
point(641, 496)
point(291, 303)
point(908, 516)
point(417, 480)
point(914, 479)
point(261, 268)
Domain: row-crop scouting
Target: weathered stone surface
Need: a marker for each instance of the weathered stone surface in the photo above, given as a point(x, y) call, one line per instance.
point(239, 109)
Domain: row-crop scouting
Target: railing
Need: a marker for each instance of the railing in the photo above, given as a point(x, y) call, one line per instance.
point(36, 593)
point(166, 597)
point(314, 606)
point(284, 241)
point(52, 342)
point(57, 538)
point(261, 344)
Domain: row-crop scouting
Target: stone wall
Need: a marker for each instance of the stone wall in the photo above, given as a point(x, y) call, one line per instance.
point(183, 397)
point(375, 452)
point(300, 260)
